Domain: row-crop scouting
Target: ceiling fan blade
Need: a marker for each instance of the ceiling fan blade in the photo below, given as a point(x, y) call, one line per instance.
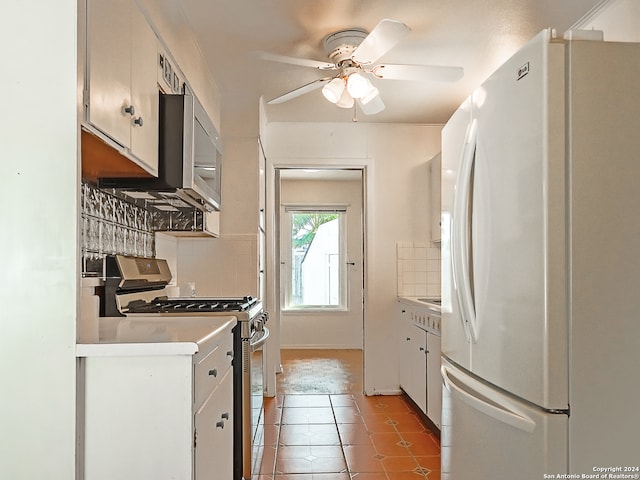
point(309, 87)
point(418, 72)
point(385, 35)
point(373, 106)
point(304, 62)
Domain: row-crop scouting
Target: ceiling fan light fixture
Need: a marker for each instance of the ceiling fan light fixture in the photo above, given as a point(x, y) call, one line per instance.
point(333, 90)
point(358, 85)
point(346, 100)
point(370, 95)
point(373, 106)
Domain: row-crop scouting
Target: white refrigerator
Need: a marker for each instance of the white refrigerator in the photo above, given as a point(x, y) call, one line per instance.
point(541, 266)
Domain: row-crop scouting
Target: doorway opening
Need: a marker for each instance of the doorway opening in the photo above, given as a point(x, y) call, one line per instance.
point(320, 257)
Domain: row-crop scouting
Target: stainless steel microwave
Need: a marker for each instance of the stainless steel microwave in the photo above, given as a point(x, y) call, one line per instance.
point(189, 157)
point(190, 150)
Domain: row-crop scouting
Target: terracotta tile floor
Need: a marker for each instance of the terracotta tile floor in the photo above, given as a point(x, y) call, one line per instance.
point(321, 427)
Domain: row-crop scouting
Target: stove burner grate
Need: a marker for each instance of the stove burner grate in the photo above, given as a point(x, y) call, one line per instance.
point(166, 305)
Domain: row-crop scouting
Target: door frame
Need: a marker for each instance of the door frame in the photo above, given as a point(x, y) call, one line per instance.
point(273, 167)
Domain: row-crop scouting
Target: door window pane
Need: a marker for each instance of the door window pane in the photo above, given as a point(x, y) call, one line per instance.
point(316, 276)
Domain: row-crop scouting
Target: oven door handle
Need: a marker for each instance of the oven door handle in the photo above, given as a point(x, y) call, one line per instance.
point(257, 344)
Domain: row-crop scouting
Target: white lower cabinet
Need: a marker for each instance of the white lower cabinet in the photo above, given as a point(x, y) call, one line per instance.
point(158, 414)
point(213, 440)
point(419, 359)
point(413, 366)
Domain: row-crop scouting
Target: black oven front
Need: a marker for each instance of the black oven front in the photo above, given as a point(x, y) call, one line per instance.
point(249, 379)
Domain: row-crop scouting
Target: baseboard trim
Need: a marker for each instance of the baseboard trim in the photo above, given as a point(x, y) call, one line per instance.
point(423, 416)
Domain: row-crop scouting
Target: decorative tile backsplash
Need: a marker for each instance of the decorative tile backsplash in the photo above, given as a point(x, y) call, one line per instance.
point(111, 225)
point(418, 269)
point(125, 222)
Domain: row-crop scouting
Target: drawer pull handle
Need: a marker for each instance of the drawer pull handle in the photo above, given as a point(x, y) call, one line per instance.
point(214, 372)
point(220, 424)
point(225, 416)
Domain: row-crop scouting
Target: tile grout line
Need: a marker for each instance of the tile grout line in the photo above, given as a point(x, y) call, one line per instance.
point(344, 456)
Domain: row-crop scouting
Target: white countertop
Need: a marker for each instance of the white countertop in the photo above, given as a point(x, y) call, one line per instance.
point(420, 302)
point(155, 335)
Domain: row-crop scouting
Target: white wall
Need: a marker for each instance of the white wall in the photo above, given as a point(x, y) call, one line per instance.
point(618, 19)
point(395, 158)
point(224, 266)
point(39, 284)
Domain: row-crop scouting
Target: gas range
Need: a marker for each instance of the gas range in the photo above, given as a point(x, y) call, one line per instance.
point(136, 286)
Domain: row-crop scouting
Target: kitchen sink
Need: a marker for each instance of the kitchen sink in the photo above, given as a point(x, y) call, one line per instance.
point(435, 301)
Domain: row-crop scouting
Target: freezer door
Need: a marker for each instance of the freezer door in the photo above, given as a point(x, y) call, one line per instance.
point(489, 435)
point(519, 334)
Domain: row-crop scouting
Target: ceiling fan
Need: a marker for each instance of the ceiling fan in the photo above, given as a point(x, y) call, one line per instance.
point(353, 54)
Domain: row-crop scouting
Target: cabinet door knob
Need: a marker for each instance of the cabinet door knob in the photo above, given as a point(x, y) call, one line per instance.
point(225, 416)
point(131, 110)
point(214, 372)
point(230, 353)
point(220, 424)
point(138, 121)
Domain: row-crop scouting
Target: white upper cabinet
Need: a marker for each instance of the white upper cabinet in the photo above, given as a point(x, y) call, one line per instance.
point(122, 78)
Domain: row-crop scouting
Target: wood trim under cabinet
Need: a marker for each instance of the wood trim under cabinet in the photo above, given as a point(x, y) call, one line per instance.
point(100, 160)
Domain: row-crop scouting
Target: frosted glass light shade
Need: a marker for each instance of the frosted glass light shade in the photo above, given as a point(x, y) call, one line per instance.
point(333, 90)
point(370, 95)
point(357, 85)
point(346, 100)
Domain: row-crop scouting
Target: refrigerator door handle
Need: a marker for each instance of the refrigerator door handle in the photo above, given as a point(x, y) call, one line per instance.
point(483, 399)
point(461, 251)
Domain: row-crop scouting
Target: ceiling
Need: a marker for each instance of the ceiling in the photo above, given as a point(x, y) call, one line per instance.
point(477, 35)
